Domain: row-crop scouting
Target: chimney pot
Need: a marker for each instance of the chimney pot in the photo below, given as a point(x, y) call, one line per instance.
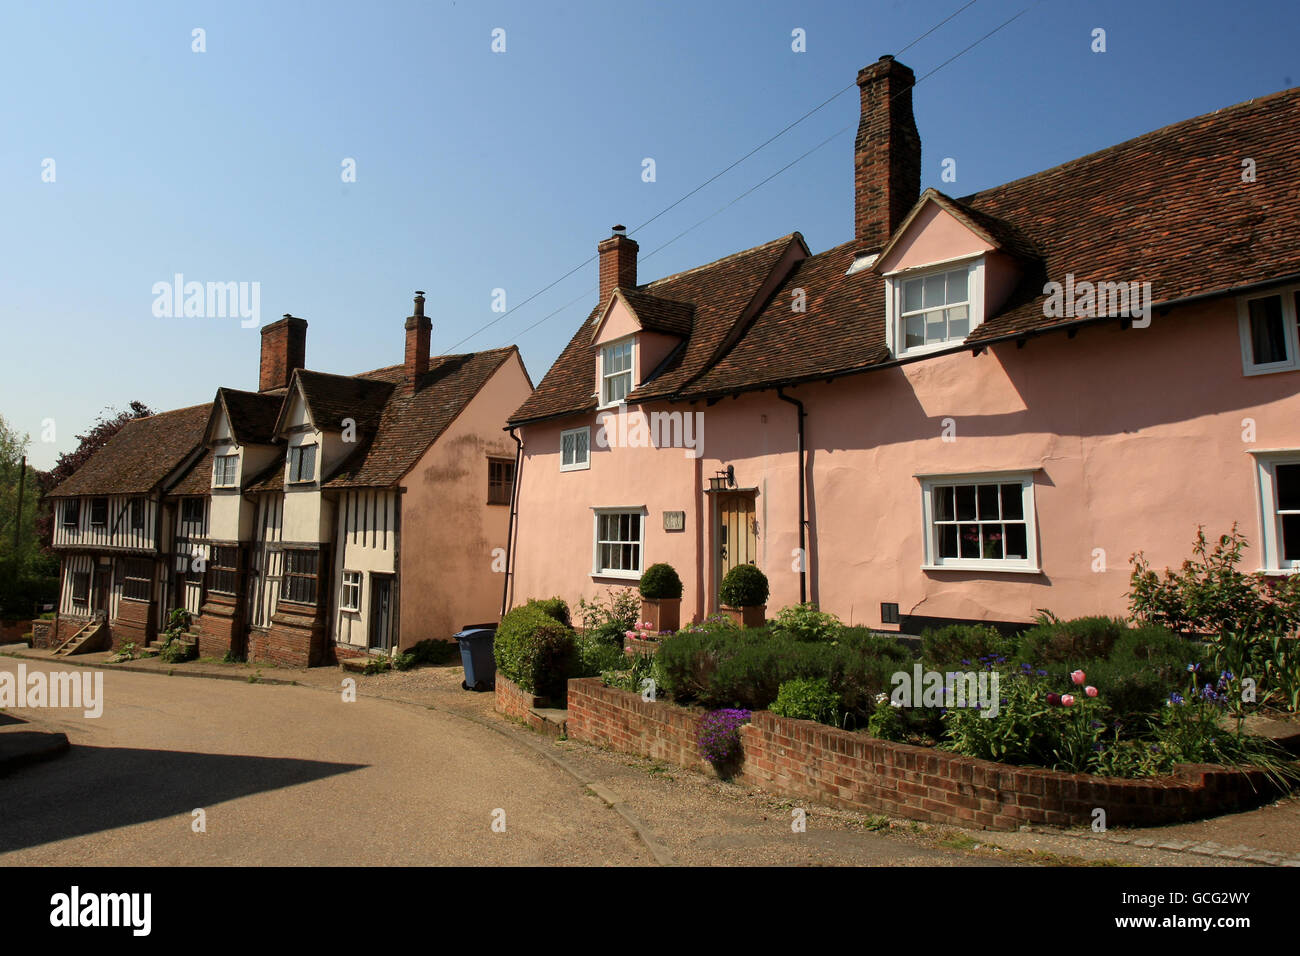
point(284, 349)
point(419, 329)
point(617, 263)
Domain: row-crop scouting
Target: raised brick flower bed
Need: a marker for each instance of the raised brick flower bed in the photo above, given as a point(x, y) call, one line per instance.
point(810, 761)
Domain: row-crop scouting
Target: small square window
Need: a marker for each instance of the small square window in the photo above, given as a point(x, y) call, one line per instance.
point(933, 309)
point(302, 463)
point(224, 470)
point(192, 510)
point(575, 449)
point(980, 522)
point(350, 594)
point(1268, 332)
point(620, 538)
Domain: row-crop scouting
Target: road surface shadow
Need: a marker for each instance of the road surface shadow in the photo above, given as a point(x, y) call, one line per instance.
point(102, 788)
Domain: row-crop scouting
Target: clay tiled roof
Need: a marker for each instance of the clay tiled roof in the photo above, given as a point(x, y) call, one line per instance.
point(333, 398)
point(1168, 208)
point(197, 479)
point(410, 421)
point(252, 414)
point(661, 315)
point(719, 293)
point(140, 455)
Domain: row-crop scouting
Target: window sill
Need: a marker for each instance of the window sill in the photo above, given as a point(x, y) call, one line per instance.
point(982, 568)
point(1278, 572)
point(616, 575)
point(584, 467)
point(1270, 369)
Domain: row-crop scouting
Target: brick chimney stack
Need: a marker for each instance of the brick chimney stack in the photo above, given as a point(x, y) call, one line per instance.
point(617, 263)
point(284, 348)
point(418, 331)
point(887, 154)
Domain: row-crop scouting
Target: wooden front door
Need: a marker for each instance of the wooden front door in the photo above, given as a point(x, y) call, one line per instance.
point(103, 584)
point(735, 534)
point(381, 611)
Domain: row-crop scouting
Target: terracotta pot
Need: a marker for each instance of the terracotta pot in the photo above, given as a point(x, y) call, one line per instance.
point(751, 616)
point(663, 614)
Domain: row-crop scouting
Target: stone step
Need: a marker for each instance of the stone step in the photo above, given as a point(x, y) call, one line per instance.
point(550, 721)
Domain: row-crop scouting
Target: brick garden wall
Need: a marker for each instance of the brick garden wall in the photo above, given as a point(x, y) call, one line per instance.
point(134, 623)
point(12, 632)
point(513, 701)
point(806, 760)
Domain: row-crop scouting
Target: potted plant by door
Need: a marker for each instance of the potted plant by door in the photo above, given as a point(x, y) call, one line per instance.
point(743, 594)
point(661, 598)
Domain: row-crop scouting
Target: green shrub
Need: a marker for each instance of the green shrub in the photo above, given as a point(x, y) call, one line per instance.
point(611, 617)
point(956, 642)
point(632, 673)
point(535, 651)
point(745, 668)
point(435, 653)
point(555, 607)
point(595, 656)
point(660, 582)
point(744, 586)
point(808, 698)
point(1209, 595)
point(804, 622)
point(176, 651)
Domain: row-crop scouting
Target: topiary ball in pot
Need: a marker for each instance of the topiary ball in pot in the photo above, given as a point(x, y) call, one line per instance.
point(660, 581)
point(744, 586)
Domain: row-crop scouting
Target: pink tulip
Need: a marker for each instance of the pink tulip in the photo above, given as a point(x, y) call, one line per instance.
point(1067, 700)
point(630, 635)
point(1078, 677)
point(1090, 691)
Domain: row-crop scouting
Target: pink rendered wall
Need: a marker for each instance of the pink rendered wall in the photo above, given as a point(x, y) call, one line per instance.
point(1138, 434)
point(448, 531)
point(933, 236)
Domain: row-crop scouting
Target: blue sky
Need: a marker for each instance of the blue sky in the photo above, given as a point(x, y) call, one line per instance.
point(478, 170)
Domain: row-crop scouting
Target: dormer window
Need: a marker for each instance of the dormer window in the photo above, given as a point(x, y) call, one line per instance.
point(224, 469)
point(934, 309)
point(616, 372)
point(302, 463)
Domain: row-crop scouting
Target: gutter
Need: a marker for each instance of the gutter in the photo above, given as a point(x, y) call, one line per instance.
point(514, 514)
point(803, 520)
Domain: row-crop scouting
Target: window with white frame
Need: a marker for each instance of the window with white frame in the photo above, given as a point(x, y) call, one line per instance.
point(350, 597)
point(935, 308)
point(302, 463)
point(616, 372)
point(1279, 496)
point(575, 449)
point(980, 522)
point(224, 469)
point(1269, 338)
point(619, 542)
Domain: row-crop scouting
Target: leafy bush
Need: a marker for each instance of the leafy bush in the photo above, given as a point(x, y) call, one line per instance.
point(555, 607)
point(660, 582)
point(804, 622)
point(733, 668)
point(631, 674)
point(744, 586)
point(595, 655)
point(535, 651)
point(612, 616)
point(1209, 595)
point(176, 651)
point(435, 653)
point(808, 698)
point(956, 642)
